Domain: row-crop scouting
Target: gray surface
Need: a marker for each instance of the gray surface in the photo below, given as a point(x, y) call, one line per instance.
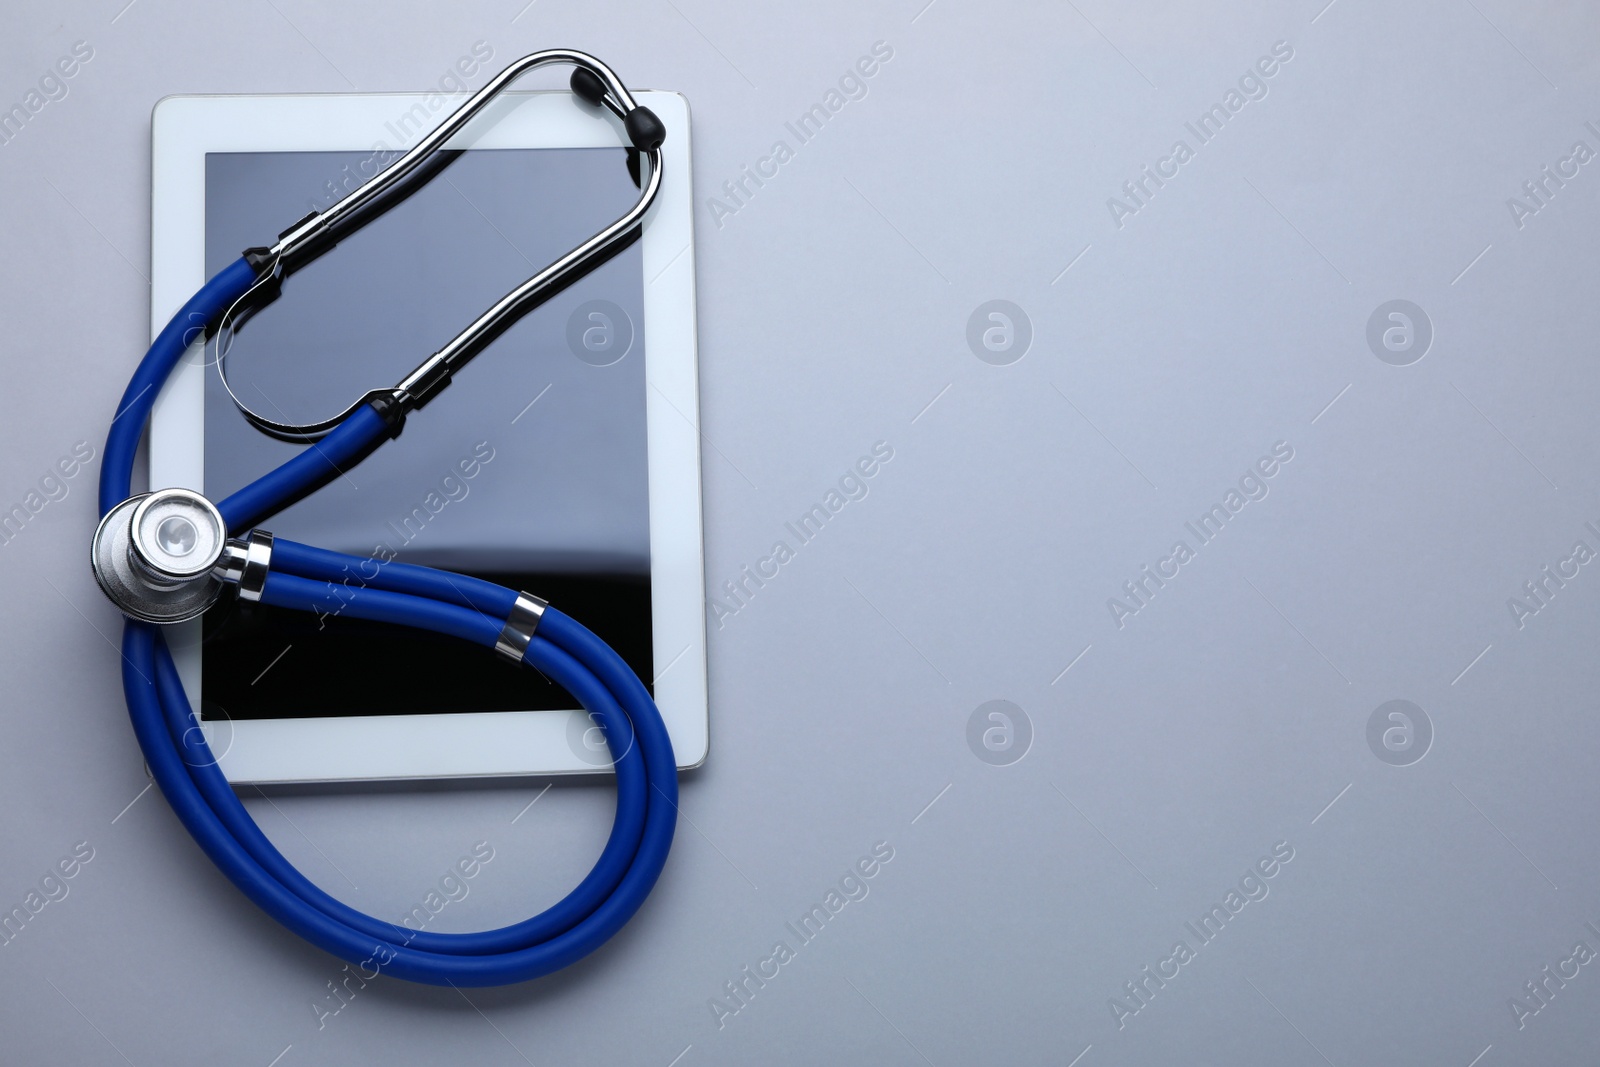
point(1225, 717)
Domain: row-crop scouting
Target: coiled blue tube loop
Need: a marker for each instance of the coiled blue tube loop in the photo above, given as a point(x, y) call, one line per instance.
point(305, 578)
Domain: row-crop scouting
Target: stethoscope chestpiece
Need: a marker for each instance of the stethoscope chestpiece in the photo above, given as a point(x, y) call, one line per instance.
point(154, 555)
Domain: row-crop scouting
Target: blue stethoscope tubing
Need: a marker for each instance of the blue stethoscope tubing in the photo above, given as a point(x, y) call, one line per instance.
point(183, 766)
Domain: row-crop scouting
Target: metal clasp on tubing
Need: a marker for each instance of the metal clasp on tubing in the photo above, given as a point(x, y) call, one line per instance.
point(595, 83)
point(518, 631)
point(245, 562)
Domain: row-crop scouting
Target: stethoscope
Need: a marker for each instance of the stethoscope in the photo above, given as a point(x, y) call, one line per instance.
point(166, 556)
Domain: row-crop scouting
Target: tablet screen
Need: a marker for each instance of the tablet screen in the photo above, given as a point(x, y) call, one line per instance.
point(529, 469)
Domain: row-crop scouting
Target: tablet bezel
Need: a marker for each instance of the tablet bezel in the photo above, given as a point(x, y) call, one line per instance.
point(452, 744)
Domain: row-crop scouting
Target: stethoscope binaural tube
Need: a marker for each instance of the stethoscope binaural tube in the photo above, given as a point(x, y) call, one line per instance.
point(454, 605)
point(595, 84)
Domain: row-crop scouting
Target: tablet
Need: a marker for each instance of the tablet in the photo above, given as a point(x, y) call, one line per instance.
point(563, 460)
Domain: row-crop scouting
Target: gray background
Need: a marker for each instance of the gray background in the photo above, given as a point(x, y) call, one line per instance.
point(1228, 715)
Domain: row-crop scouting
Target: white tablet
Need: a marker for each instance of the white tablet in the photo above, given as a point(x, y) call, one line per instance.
point(563, 460)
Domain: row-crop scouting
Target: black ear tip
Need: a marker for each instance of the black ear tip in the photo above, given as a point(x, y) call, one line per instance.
point(587, 84)
point(644, 129)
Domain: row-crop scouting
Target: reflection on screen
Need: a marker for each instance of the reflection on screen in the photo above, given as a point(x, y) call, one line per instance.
point(528, 470)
